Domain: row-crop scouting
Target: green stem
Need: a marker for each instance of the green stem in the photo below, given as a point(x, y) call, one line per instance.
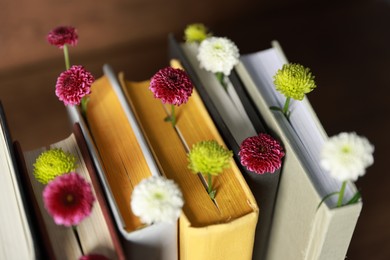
point(341, 194)
point(78, 239)
point(286, 105)
point(173, 118)
point(66, 56)
point(220, 76)
point(209, 183)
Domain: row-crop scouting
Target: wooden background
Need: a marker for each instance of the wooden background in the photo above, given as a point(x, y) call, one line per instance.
point(345, 43)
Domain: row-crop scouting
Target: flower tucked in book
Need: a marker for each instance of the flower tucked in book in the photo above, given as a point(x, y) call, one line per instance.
point(209, 158)
point(196, 32)
point(156, 200)
point(68, 199)
point(53, 163)
point(73, 85)
point(261, 154)
point(172, 86)
point(218, 55)
point(293, 81)
point(346, 157)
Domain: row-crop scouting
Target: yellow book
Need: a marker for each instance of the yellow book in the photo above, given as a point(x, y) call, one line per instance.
point(221, 230)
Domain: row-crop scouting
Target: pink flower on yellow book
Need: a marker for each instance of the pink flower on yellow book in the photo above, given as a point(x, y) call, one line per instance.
point(261, 154)
point(73, 84)
point(68, 199)
point(172, 86)
point(62, 35)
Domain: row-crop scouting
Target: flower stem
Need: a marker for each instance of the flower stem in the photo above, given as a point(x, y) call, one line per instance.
point(220, 76)
point(74, 228)
point(173, 118)
point(286, 105)
point(66, 56)
point(209, 183)
point(341, 194)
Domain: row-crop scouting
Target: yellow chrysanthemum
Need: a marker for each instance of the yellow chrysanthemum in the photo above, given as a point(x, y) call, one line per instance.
point(196, 32)
point(294, 81)
point(208, 157)
point(53, 163)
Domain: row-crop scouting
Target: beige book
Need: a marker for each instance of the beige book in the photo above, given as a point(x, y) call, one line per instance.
point(96, 232)
point(299, 230)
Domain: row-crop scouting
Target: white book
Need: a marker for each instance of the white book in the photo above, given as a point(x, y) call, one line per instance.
point(299, 230)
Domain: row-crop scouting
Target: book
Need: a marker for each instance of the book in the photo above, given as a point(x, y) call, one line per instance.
point(235, 123)
point(123, 159)
point(18, 235)
point(299, 230)
point(205, 227)
point(96, 233)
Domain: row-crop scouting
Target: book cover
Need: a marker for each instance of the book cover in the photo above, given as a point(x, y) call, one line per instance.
point(299, 230)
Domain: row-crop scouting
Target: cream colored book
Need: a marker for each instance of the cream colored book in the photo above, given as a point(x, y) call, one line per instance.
point(96, 233)
point(299, 230)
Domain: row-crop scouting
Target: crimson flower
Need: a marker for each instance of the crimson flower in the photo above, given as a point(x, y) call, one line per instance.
point(73, 84)
point(62, 35)
point(172, 86)
point(68, 199)
point(261, 154)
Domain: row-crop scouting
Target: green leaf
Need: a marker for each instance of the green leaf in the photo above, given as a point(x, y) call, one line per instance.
point(276, 108)
point(327, 197)
point(167, 119)
point(354, 199)
point(212, 194)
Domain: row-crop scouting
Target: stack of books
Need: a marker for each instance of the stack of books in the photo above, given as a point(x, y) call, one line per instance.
point(124, 139)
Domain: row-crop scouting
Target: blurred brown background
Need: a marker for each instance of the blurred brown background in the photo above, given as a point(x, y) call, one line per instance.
point(345, 43)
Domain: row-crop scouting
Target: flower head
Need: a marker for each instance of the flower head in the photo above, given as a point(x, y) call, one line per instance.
point(294, 80)
point(156, 200)
point(172, 86)
point(62, 35)
point(218, 54)
point(73, 84)
point(196, 32)
point(209, 157)
point(53, 163)
point(346, 156)
point(68, 199)
point(261, 154)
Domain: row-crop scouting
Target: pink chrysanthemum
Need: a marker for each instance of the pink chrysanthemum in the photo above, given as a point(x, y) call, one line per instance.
point(73, 84)
point(261, 154)
point(62, 35)
point(93, 257)
point(172, 86)
point(68, 199)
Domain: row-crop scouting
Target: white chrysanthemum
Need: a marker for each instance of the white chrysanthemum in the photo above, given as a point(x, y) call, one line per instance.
point(346, 156)
point(218, 54)
point(156, 200)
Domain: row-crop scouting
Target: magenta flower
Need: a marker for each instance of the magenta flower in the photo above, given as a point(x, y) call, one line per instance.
point(261, 154)
point(172, 86)
point(62, 35)
point(73, 84)
point(93, 257)
point(68, 199)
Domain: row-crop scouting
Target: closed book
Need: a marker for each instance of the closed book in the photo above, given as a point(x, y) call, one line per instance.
point(237, 118)
point(123, 159)
point(299, 230)
point(220, 229)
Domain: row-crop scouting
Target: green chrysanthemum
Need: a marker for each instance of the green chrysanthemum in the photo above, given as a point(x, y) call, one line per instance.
point(294, 81)
point(53, 163)
point(208, 157)
point(196, 32)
